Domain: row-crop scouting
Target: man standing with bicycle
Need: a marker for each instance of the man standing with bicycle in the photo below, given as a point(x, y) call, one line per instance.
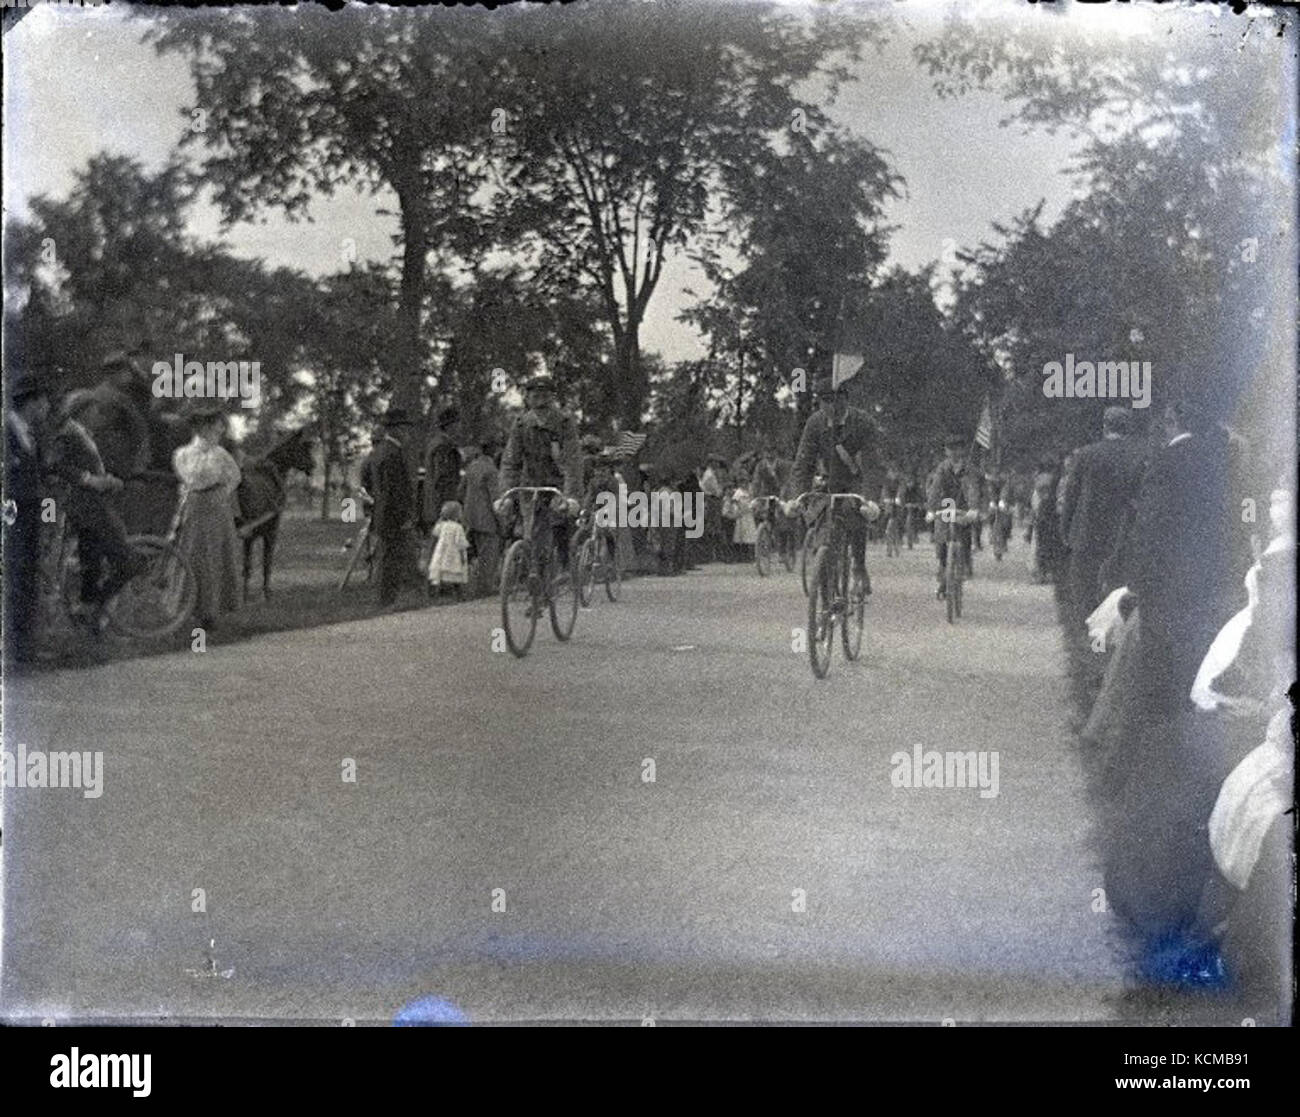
point(953, 499)
point(837, 436)
point(543, 450)
point(107, 561)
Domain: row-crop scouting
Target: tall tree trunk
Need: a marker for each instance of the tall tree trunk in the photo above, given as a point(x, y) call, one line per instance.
point(325, 490)
point(631, 388)
point(406, 360)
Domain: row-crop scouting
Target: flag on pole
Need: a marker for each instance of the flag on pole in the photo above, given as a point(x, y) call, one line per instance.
point(984, 429)
point(627, 444)
point(845, 366)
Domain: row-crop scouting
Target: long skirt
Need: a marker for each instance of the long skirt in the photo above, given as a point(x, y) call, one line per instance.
point(211, 544)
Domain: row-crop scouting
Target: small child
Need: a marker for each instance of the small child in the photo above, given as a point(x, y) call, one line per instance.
point(449, 565)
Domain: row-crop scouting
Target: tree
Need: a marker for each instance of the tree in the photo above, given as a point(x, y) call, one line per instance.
point(290, 105)
point(1179, 246)
point(632, 128)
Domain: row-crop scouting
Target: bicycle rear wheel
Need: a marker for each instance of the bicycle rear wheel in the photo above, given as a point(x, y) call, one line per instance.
point(821, 616)
point(855, 612)
point(763, 550)
point(157, 601)
point(519, 608)
point(563, 597)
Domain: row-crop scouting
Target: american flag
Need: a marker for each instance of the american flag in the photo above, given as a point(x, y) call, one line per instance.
point(984, 429)
point(627, 444)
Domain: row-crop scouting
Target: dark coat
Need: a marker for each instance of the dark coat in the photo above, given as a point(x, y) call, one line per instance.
point(387, 477)
point(441, 475)
point(1178, 558)
point(1099, 495)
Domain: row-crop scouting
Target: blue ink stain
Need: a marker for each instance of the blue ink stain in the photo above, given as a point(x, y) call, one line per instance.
point(1178, 960)
point(430, 1012)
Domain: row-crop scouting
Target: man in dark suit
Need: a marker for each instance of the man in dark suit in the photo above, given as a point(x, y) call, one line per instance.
point(1098, 503)
point(387, 477)
point(1177, 556)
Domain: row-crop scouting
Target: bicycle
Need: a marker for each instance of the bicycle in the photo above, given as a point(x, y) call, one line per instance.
point(957, 559)
point(532, 578)
point(364, 545)
point(834, 596)
point(913, 513)
point(1000, 526)
point(769, 538)
point(893, 533)
point(596, 541)
point(153, 604)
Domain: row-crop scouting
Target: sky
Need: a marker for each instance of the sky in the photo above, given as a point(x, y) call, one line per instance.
point(78, 81)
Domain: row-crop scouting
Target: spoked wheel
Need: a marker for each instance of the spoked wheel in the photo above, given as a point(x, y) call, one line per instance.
point(855, 613)
point(786, 550)
point(805, 558)
point(821, 616)
point(952, 581)
point(519, 611)
point(613, 575)
point(563, 598)
point(158, 600)
point(892, 546)
point(763, 550)
point(587, 572)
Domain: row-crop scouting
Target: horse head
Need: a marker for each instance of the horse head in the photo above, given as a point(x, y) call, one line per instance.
point(292, 452)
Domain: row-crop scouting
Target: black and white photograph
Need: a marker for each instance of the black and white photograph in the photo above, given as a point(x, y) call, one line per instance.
point(649, 513)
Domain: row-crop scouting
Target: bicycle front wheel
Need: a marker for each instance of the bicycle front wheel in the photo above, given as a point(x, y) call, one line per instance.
point(613, 575)
point(805, 559)
point(855, 611)
point(952, 581)
point(587, 572)
point(821, 615)
point(763, 550)
point(157, 601)
point(519, 608)
point(563, 598)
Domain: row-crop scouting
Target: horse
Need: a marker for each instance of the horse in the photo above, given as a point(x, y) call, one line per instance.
point(261, 496)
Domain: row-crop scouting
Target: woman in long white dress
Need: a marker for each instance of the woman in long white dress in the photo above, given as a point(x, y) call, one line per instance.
point(209, 477)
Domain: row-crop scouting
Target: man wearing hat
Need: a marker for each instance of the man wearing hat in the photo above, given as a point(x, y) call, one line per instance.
point(1097, 502)
point(543, 449)
point(953, 499)
point(838, 437)
point(386, 476)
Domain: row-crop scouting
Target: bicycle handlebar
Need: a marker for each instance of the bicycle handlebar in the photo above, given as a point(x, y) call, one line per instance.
point(833, 496)
point(530, 489)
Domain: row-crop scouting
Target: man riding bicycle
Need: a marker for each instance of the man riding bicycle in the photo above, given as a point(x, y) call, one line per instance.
point(543, 450)
point(953, 499)
point(837, 436)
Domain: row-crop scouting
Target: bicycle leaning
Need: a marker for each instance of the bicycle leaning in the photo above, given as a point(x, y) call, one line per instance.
point(532, 576)
point(151, 605)
point(835, 597)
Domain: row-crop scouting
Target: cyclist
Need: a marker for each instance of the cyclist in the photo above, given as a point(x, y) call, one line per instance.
point(543, 450)
point(911, 493)
point(838, 436)
point(953, 502)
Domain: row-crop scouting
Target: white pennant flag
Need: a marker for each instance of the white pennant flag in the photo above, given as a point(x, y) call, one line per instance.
point(845, 366)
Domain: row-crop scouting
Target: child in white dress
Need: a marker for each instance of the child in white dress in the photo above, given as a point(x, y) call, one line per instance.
point(449, 565)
